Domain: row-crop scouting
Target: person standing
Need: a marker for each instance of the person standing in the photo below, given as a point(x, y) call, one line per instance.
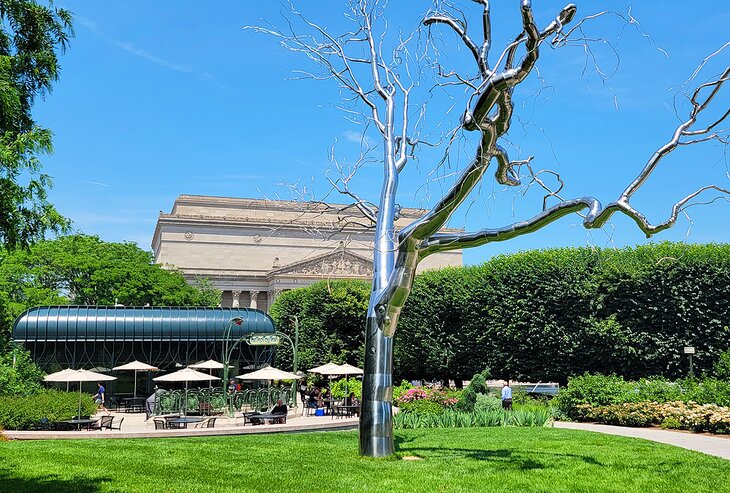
point(100, 398)
point(506, 397)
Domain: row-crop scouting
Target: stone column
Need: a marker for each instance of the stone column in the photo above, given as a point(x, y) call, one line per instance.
point(254, 301)
point(235, 301)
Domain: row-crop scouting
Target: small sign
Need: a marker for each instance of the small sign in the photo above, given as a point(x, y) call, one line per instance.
point(263, 340)
point(689, 350)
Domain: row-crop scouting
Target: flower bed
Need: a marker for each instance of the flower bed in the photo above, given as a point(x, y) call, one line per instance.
point(674, 415)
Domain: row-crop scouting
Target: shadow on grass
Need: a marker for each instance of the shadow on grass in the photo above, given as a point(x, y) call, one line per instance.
point(506, 458)
point(49, 484)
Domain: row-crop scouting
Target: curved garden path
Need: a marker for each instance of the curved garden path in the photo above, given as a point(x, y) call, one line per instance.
point(707, 444)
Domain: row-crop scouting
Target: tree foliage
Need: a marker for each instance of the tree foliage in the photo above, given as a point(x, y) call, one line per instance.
point(537, 315)
point(31, 35)
point(331, 319)
point(545, 315)
point(84, 270)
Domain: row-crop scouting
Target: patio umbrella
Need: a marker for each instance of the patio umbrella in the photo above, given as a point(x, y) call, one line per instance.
point(347, 370)
point(269, 373)
point(324, 369)
point(209, 365)
point(78, 376)
point(185, 375)
point(136, 366)
point(59, 374)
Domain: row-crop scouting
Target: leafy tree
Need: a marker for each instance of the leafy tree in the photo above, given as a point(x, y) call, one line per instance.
point(30, 37)
point(84, 270)
point(331, 315)
point(19, 375)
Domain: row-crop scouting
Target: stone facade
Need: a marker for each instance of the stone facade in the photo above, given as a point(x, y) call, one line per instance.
point(253, 250)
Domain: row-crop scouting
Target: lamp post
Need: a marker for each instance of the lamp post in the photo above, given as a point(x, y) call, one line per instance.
point(228, 349)
point(295, 350)
point(689, 351)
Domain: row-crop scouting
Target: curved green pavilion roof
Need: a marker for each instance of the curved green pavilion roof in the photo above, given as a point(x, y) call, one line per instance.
point(121, 323)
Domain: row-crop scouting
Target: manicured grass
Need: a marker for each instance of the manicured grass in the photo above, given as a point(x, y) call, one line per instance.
point(452, 460)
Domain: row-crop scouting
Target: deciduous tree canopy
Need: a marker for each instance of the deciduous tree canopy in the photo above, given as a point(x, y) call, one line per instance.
point(31, 35)
point(84, 270)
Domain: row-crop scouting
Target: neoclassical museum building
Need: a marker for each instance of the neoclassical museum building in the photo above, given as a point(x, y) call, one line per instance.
point(253, 249)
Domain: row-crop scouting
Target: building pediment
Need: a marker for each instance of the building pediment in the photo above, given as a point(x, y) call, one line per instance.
point(340, 263)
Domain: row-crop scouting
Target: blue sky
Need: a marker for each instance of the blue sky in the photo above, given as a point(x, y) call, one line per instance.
point(158, 99)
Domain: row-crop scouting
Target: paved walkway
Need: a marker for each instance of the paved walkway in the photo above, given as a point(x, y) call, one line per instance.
point(135, 426)
point(711, 445)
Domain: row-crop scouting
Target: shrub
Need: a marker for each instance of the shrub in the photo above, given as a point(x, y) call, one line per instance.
point(401, 389)
point(722, 366)
point(478, 385)
point(705, 391)
point(421, 407)
point(422, 400)
point(25, 412)
point(595, 390)
point(342, 388)
point(19, 375)
point(487, 402)
point(675, 415)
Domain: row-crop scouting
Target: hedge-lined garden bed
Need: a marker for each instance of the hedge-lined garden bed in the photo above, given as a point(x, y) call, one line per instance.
point(700, 405)
point(27, 412)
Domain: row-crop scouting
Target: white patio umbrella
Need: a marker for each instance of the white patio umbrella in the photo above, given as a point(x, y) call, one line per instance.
point(136, 366)
point(269, 373)
point(185, 375)
point(59, 374)
point(348, 369)
point(209, 365)
point(324, 369)
point(78, 376)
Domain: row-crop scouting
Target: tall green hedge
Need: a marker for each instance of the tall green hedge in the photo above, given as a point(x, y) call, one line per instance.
point(25, 412)
point(538, 315)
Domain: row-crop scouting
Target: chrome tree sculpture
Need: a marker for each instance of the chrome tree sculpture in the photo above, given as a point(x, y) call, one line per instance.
point(397, 253)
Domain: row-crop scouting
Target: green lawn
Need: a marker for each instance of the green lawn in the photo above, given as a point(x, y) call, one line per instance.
point(463, 459)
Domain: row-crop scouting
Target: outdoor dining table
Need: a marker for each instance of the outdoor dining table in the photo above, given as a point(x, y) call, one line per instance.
point(183, 422)
point(265, 417)
point(133, 404)
point(344, 410)
point(87, 422)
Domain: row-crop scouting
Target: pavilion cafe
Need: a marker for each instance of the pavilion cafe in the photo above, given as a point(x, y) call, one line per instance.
point(102, 337)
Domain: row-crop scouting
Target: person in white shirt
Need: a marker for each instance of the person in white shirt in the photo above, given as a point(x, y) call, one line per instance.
point(507, 397)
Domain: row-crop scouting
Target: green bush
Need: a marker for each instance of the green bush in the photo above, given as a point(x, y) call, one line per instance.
point(722, 366)
point(19, 375)
point(596, 390)
point(705, 391)
point(25, 412)
point(674, 415)
point(422, 407)
point(401, 389)
point(343, 387)
point(487, 402)
point(469, 395)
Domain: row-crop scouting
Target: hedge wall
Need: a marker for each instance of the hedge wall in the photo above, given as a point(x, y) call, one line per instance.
point(538, 315)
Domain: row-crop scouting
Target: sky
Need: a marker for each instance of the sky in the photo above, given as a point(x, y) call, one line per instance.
point(158, 99)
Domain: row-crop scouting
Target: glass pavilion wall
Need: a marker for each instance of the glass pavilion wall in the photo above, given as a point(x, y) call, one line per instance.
point(102, 337)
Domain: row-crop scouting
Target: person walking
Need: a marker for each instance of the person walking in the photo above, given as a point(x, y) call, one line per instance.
point(506, 397)
point(100, 398)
